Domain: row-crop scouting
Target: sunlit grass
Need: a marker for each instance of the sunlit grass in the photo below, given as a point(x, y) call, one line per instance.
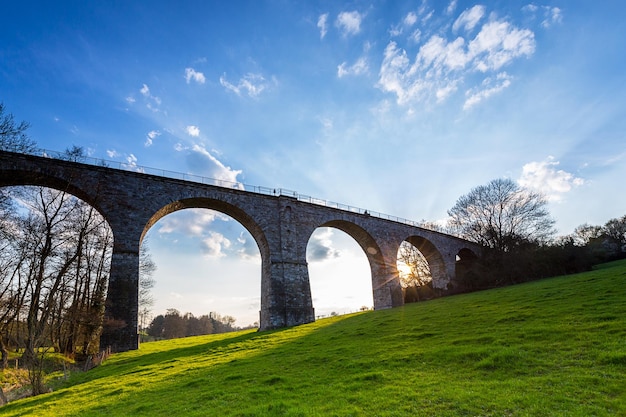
point(552, 347)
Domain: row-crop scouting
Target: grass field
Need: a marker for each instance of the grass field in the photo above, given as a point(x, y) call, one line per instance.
point(555, 347)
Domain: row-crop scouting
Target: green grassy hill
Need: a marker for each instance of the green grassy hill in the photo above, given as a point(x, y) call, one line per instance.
point(552, 347)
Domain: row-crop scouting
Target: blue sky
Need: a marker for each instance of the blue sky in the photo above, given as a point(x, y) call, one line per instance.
point(397, 107)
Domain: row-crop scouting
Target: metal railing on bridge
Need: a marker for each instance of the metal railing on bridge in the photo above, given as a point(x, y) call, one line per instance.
point(133, 167)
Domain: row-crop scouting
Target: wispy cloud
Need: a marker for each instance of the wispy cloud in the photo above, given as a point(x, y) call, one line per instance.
point(544, 177)
point(152, 102)
point(489, 87)
point(322, 24)
point(442, 65)
point(409, 20)
point(349, 23)
point(359, 67)
point(469, 18)
point(193, 75)
point(150, 137)
point(553, 15)
point(252, 84)
point(451, 7)
point(549, 15)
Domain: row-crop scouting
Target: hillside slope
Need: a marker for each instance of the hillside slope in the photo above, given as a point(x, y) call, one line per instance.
point(551, 347)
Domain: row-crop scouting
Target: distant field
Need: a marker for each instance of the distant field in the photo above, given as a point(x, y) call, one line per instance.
point(555, 347)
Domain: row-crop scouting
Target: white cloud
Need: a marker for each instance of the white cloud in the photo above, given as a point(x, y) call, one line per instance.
point(252, 84)
point(349, 23)
point(451, 7)
point(410, 19)
point(131, 164)
point(111, 153)
point(193, 131)
point(190, 222)
point(499, 43)
point(530, 8)
point(359, 67)
point(327, 123)
point(191, 74)
point(202, 162)
point(394, 74)
point(130, 99)
point(553, 15)
point(415, 36)
point(489, 87)
point(445, 91)
point(215, 244)
point(150, 137)
point(550, 15)
point(469, 18)
point(152, 102)
point(248, 247)
point(546, 178)
point(442, 56)
point(322, 24)
point(441, 65)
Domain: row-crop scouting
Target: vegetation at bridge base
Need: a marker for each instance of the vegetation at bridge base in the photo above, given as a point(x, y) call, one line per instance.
point(548, 347)
point(514, 226)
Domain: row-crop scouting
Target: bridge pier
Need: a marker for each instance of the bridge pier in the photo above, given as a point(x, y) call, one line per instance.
point(286, 296)
point(121, 312)
point(285, 289)
point(385, 279)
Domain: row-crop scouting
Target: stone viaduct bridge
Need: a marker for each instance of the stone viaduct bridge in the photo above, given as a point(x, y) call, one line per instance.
point(280, 222)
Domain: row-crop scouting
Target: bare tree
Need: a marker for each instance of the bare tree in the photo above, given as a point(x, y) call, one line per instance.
point(416, 271)
point(502, 215)
point(54, 275)
point(147, 267)
point(585, 233)
point(616, 230)
point(13, 135)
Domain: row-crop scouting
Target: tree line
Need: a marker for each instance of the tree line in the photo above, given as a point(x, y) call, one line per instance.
point(173, 325)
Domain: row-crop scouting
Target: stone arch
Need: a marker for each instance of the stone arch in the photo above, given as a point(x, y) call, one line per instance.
point(466, 268)
point(362, 237)
point(19, 178)
point(236, 213)
point(339, 273)
point(385, 284)
point(434, 258)
point(218, 205)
